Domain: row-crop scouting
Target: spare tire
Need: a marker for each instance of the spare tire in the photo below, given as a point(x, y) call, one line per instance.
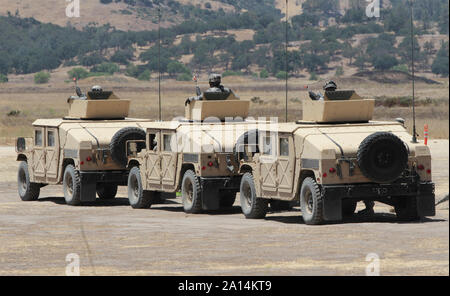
point(382, 157)
point(119, 141)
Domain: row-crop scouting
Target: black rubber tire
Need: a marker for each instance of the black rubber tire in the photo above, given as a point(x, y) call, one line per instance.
point(227, 198)
point(349, 207)
point(280, 205)
point(382, 157)
point(106, 190)
point(406, 209)
point(191, 193)
point(252, 206)
point(138, 198)
point(118, 143)
point(72, 186)
point(28, 191)
point(311, 202)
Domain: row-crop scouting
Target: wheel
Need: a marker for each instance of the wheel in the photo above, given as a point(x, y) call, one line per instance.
point(138, 198)
point(191, 193)
point(227, 198)
point(311, 202)
point(28, 191)
point(72, 186)
point(252, 206)
point(119, 140)
point(382, 157)
point(280, 205)
point(348, 207)
point(106, 190)
point(406, 209)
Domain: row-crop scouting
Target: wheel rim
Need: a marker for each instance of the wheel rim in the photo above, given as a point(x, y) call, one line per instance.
point(189, 191)
point(69, 184)
point(22, 181)
point(309, 201)
point(247, 193)
point(134, 188)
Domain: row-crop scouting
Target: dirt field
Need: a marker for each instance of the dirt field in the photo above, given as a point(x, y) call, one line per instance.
point(112, 239)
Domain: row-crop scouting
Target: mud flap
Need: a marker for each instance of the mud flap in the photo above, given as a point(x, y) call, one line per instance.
point(88, 187)
point(210, 196)
point(426, 205)
point(332, 207)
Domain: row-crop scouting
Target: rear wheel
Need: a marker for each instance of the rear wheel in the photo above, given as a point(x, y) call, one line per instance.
point(72, 186)
point(406, 209)
point(227, 198)
point(138, 198)
point(106, 191)
point(28, 191)
point(252, 206)
point(191, 193)
point(311, 202)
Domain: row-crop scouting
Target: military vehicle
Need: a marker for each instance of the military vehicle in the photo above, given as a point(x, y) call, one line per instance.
point(84, 151)
point(193, 155)
point(333, 158)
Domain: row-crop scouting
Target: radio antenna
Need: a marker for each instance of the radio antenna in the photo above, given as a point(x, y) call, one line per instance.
point(159, 62)
point(414, 139)
point(287, 62)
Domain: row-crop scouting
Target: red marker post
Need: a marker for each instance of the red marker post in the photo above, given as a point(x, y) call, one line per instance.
point(426, 134)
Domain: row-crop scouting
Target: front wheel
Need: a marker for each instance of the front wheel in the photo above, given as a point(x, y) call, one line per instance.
point(28, 191)
point(252, 206)
point(106, 191)
point(311, 202)
point(138, 198)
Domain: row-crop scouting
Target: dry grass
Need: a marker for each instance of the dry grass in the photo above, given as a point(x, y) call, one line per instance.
point(49, 101)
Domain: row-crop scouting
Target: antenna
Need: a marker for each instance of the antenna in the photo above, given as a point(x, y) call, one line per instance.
point(159, 62)
point(287, 62)
point(414, 139)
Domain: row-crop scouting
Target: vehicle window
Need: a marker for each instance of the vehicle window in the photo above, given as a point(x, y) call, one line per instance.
point(51, 139)
point(38, 137)
point(267, 142)
point(153, 142)
point(167, 143)
point(284, 147)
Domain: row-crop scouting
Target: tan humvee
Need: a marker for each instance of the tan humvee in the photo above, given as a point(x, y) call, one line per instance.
point(194, 154)
point(334, 158)
point(84, 151)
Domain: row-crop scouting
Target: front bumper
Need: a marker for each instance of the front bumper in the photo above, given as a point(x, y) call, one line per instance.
point(333, 195)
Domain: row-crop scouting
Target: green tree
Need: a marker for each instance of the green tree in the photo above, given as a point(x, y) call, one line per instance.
point(264, 74)
point(184, 77)
point(132, 70)
point(145, 76)
point(78, 73)
point(281, 75)
point(3, 78)
point(440, 64)
point(175, 67)
point(41, 77)
point(109, 68)
point(339, 71)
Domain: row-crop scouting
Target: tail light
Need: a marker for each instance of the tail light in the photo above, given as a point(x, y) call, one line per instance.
point(210, 164)
point(429, 171)
point(332, 170)
point(88, 158)
point(420, 167)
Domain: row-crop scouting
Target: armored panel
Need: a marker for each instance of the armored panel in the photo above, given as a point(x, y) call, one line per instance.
point(352, 110)
point(99, 109)
point(341, 95)
point(201, 110)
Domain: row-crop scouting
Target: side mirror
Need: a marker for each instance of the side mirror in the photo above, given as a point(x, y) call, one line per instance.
point(400, 120)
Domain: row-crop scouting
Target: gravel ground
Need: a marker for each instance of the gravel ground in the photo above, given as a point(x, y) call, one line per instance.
point(110, 238)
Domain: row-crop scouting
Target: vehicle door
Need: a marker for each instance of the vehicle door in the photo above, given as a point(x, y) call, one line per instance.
point(285, 163)
point(51, 154)
point(268, 163)
point(152, 159)
point(168, 157)
point(38, 162)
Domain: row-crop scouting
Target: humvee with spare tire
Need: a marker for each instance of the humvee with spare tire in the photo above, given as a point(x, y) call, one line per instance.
point(84, 151)
point(333, 158)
